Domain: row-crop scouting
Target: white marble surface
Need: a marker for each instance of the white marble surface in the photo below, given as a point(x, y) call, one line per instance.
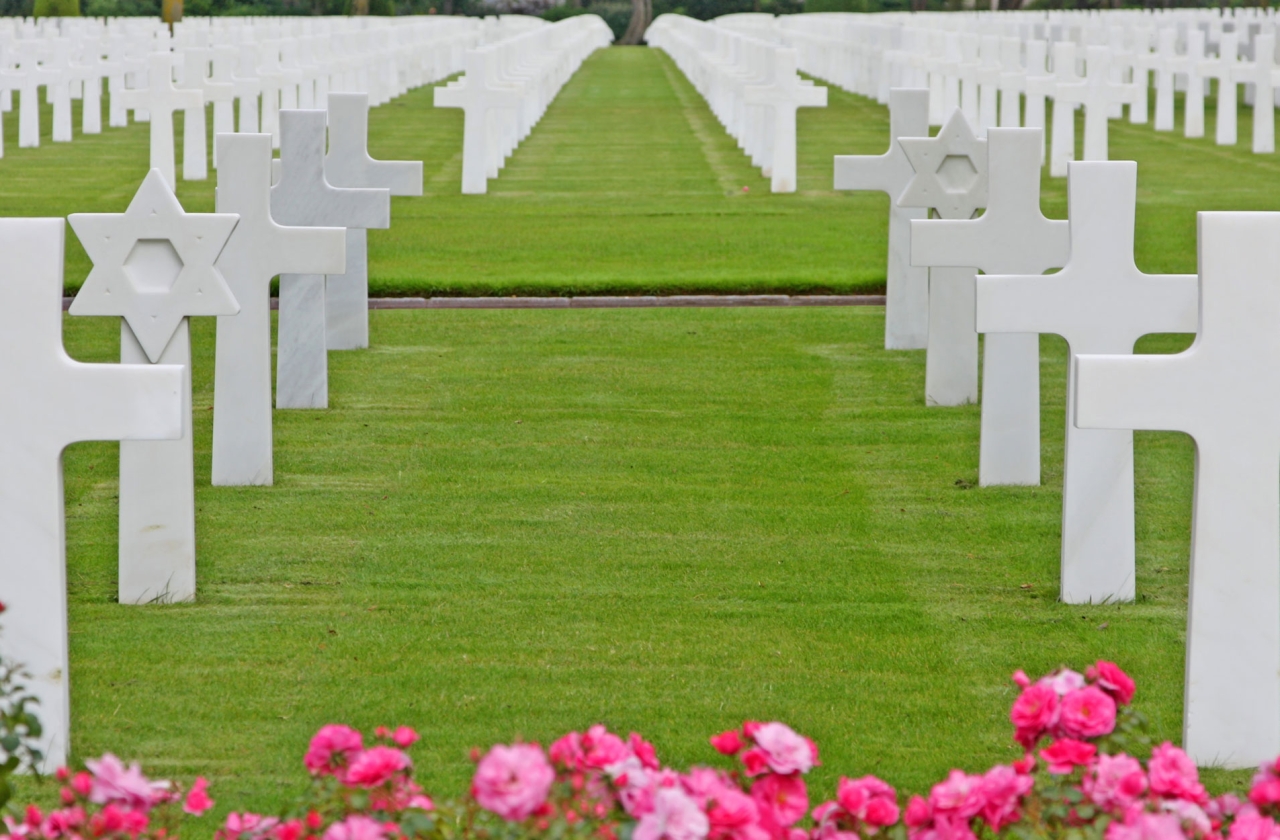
point(951, 179)
point(1225, 393)
point(50, 401)
point(304, 197)
point(1011, 237)
point(160, 99)
point(1099, 95)
point(153, 266)
point(906, 319)
point(348, 164)
point(1062, 132)
point(781, 95)
point(258, 250)
point(1100, 303)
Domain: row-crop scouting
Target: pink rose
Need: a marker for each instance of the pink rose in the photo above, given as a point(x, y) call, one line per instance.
point(1250, 825)
point(1265, 789)
point(1065, 754)
point(405, 737)
point(1033, 713)
point(567, 752)
point(512, 782)
point(247, 823)
point(1173, 774)
point(1115, 782)
point(1064, 681)
point(1144, 826)
point(727, 743)
point(782, 802)
point(376, 766)
point(643, 750)
point(918, 813)
point(356, 827)
point(756, 761)
point(1195, 821)
point(331, 748)
point(960, 795)
point(734, 815)
point(602, 748)
point(784, 751)
point(113, 782)
point(868, 800)
point(1002, 791)
point(1087, 713)
point(1114, 681)
point(198, 801)
point(675, 816)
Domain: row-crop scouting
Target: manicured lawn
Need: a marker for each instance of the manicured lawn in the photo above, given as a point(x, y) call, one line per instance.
point(519, 522)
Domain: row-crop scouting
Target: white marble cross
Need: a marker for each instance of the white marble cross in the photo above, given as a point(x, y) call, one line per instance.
point(1164, 61)
point(1062, 134)
point(1193, 101)
point(304, 198)
point(257, 251)
point(783, 95)
point(1097, 93)
point(1224, 69)
point(1011, 237)
point(48, 401)
point(906, 317)
point(224, 109)
point(1261, 73)
point(1100, 303)
point(195, 76)
point(482, 102)
point(161, 99)
point(153, 267)
point(348, 164)
point(1225, 393)
point(951, 178)
point(1039, 84)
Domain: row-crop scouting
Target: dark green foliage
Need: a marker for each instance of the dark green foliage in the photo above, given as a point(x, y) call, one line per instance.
point(20, 728)
point(56, 8)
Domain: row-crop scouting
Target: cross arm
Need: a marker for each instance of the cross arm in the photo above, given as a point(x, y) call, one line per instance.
point(309, 250)
point(1021, 303)
point(1133, 392)
point(121, 402)
point(887, 173)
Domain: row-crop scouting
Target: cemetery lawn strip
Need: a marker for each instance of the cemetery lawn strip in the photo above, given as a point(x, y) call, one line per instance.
point(514, 523)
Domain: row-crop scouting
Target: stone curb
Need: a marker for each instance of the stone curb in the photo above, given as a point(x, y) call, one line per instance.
point(609, 302)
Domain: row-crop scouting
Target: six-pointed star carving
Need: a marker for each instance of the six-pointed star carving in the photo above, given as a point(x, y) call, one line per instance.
point(153, 264)
point(951, 170)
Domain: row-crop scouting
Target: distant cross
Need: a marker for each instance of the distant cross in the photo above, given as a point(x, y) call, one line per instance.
point(951, 178)
point(153, 267)
point(1163, 62)
point(248, 89)
point(1011, 237)
point(1013, 83)
point(988, 76)
point(1225, 393)
point(481, 103)
point(33, 76)
point(1224, 68)
point(1039, 84)
point(195, 76)
point(1100, 303)
point(91, 73)
point(57, 76)
point(1193, 101)
point(224, 107)
point(258, 250)
point(303, 197)
point(348, 164)
point(1261, 73)
point(1097, 93)
point(51, 401)
point(782, 96)
point(906, 317)
point(161, 99)
point(1062, 137)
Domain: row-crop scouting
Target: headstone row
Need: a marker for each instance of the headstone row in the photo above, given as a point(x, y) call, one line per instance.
point(750, 84)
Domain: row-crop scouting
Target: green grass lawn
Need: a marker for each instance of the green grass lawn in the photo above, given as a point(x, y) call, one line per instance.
point(520, 522)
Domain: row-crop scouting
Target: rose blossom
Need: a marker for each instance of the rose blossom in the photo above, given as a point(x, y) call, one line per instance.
point(1191, 815)
point(781, 800)
point(1173, 774)
point(1002, 791)
point(113, 782)
point(1266, 785)
point(331, 748)
point(918, 812)
point(568, 751)
point(356, 827)
point(643, 750)
point(675, 816)
point(734, 816)
point(1250, 825)
point(1034, 712)
point(727, 743)
point(1064, 681)
point(405, 737)
point(960, 795)
point(1115, 782)
point(512, 781)
point(376, 766)
point(601, 748)
point(1146, 826)
point(868, 800)
point(1114, 681)
point(198, 801)
point(1064, 754)
point(1087, 713)
point(785, 751)
point(255, 825)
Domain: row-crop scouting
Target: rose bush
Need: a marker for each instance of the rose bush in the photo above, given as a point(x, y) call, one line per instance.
point(1080, 778)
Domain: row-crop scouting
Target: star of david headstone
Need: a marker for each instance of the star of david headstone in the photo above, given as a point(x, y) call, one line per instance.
point(1012, 236)
point(951, 179)
point(1100, 303)
point(153, 267)
point(1225, 393)
point(48, 401)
